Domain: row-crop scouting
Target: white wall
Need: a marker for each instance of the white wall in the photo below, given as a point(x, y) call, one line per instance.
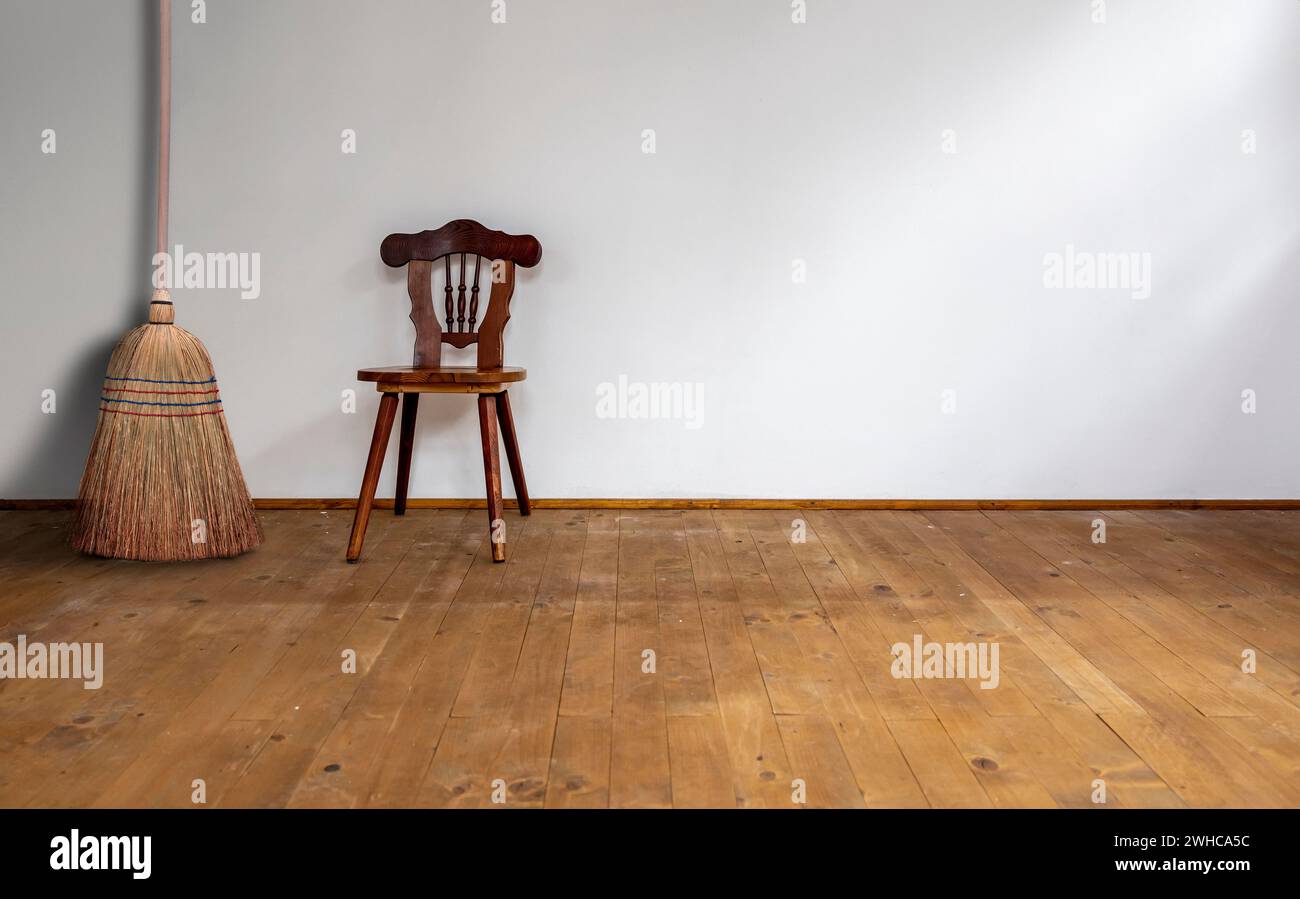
point(775, 142)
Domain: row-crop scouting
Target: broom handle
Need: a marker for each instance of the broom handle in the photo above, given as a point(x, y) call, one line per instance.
point(165, 117)
point(160, 306)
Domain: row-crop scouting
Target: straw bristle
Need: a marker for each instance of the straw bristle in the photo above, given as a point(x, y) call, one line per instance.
point(162, 482)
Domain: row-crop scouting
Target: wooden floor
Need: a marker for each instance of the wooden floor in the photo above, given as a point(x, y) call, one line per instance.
point(1119, 662)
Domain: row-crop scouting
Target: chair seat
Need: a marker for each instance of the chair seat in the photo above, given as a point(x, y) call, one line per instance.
point(408, 378)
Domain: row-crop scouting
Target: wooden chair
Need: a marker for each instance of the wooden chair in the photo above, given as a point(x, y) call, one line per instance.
point(454, 241)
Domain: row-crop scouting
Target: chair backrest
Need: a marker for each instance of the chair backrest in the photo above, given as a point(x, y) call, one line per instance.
point(468, 243)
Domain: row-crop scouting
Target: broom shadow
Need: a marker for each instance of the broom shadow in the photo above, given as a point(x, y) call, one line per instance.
point(54, 467)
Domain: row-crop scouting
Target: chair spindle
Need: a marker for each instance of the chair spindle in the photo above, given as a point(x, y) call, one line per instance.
point(460, 298)
point(473, 297)
point(447, 290)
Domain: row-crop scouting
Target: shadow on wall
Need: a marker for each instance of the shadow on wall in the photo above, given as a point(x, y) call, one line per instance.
point(56, 461)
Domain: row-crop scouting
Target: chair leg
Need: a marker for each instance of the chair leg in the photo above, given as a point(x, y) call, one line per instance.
point(410, 406)
point(374, 462)
point(487, 422)
point(508, 437)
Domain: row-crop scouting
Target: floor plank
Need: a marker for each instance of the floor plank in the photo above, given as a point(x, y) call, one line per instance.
point(579, 774)
point(639, 765)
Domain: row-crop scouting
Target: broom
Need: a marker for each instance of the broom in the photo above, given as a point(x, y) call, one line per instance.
point(162, 482)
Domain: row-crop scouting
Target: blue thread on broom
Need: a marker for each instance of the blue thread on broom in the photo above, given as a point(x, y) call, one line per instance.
point(109, 399)
point(210, 380)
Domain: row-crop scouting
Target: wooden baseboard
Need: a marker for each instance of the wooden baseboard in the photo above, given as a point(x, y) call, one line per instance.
point(845, 504)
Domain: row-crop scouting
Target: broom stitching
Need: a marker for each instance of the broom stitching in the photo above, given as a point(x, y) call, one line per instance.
point(162, 392)
point(211, 380)
point(109, 399)
point(161, 414)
